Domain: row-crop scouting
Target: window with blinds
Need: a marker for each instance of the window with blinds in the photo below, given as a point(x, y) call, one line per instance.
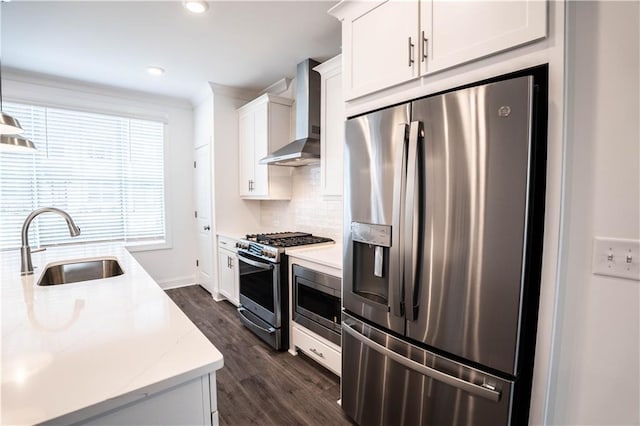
point(106, 171)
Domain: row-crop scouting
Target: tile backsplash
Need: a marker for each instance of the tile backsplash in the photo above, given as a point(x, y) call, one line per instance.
point(307, 211)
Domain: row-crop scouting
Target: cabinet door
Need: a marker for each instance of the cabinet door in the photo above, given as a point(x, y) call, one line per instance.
point(260, 186)
point(246, 151)
point(381, 47)
point(332, 138)
point(461, 31)
point(226, 262)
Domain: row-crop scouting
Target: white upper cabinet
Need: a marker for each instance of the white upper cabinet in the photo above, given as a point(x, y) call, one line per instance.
point(379, 41)
point(332, 124)
point(263, 126)
point(461, 31)
point(390, 42)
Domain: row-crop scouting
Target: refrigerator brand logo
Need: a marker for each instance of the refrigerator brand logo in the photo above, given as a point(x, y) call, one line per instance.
point(504, 111)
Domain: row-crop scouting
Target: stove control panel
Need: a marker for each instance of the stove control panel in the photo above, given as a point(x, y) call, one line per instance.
point(268, 253)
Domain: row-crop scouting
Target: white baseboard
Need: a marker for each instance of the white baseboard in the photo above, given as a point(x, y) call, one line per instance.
point(177, 282)
point(218, 297)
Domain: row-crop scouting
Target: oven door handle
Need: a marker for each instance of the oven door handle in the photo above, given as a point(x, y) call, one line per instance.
point(247, 321)
point(267, 266)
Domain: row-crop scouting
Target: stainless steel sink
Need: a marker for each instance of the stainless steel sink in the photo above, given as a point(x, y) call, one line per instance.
point(80, 270)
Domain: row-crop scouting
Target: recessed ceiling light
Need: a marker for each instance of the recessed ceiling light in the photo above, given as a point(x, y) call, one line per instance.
point(154, 70)
point(196, 6)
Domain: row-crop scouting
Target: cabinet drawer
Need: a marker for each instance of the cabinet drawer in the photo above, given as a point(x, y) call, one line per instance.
point(227, 243)
point(317, 350)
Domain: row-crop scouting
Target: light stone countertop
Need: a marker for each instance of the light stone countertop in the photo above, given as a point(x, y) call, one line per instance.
point(329, 255)
point(74, 350)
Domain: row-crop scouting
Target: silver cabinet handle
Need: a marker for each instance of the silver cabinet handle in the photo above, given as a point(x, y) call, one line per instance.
point(316, 352)
point(425, 47)
point(410, 53)
point(472, 388)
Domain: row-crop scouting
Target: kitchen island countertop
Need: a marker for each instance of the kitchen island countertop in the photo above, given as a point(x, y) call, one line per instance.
point(73, 351)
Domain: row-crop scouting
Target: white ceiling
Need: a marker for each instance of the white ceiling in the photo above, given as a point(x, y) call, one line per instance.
point(245, 44)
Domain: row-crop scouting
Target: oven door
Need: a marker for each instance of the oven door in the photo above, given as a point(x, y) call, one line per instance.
point(260, 288)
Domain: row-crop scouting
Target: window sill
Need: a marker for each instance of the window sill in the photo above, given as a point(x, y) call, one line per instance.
point(148, 246)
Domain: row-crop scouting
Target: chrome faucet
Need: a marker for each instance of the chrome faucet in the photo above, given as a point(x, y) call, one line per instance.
point(26, 267)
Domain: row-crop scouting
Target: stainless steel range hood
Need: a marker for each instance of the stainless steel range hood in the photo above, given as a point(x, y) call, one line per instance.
point(306, 148)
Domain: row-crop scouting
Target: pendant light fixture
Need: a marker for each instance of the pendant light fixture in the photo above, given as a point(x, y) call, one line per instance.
point(10, 127)
point(16, 143)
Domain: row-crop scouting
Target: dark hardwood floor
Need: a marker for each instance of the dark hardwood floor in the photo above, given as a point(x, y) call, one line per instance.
point(257, 385)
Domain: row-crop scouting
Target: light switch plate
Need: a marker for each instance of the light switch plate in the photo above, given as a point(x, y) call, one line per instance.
point(616, 257)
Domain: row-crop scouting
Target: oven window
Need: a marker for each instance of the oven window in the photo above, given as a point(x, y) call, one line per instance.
point(257, 284)
point(320, 303)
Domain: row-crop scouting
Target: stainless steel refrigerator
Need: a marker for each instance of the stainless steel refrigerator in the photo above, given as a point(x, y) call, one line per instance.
point(444, 199)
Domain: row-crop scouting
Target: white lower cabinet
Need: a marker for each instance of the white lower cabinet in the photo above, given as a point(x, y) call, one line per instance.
point(317, 348)
point(190, 403)
point(228, 285)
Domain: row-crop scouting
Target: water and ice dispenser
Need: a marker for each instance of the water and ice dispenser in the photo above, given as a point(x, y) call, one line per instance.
point(371, 253)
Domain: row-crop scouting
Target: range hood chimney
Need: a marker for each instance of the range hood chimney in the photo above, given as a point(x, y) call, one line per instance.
point(306, 148)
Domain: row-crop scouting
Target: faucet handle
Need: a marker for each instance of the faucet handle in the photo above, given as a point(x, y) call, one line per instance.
point(38, 250)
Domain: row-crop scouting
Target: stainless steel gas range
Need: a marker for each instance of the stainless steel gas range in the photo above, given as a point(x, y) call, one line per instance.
point(263, 282)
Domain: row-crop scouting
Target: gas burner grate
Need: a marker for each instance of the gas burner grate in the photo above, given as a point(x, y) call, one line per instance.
point(287, 239)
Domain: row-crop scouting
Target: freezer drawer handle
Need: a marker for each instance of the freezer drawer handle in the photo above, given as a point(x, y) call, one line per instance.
point(472, 388)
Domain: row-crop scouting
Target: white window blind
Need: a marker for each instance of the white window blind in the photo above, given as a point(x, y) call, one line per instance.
point(106, 171)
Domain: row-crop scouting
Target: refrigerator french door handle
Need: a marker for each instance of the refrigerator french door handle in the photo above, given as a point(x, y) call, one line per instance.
point(396, 260)
point(411, 223)
point(464, 385)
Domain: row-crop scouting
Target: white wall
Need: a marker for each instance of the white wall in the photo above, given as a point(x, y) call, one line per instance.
point(596, 362)
point(233, 216)
point(169, 266)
